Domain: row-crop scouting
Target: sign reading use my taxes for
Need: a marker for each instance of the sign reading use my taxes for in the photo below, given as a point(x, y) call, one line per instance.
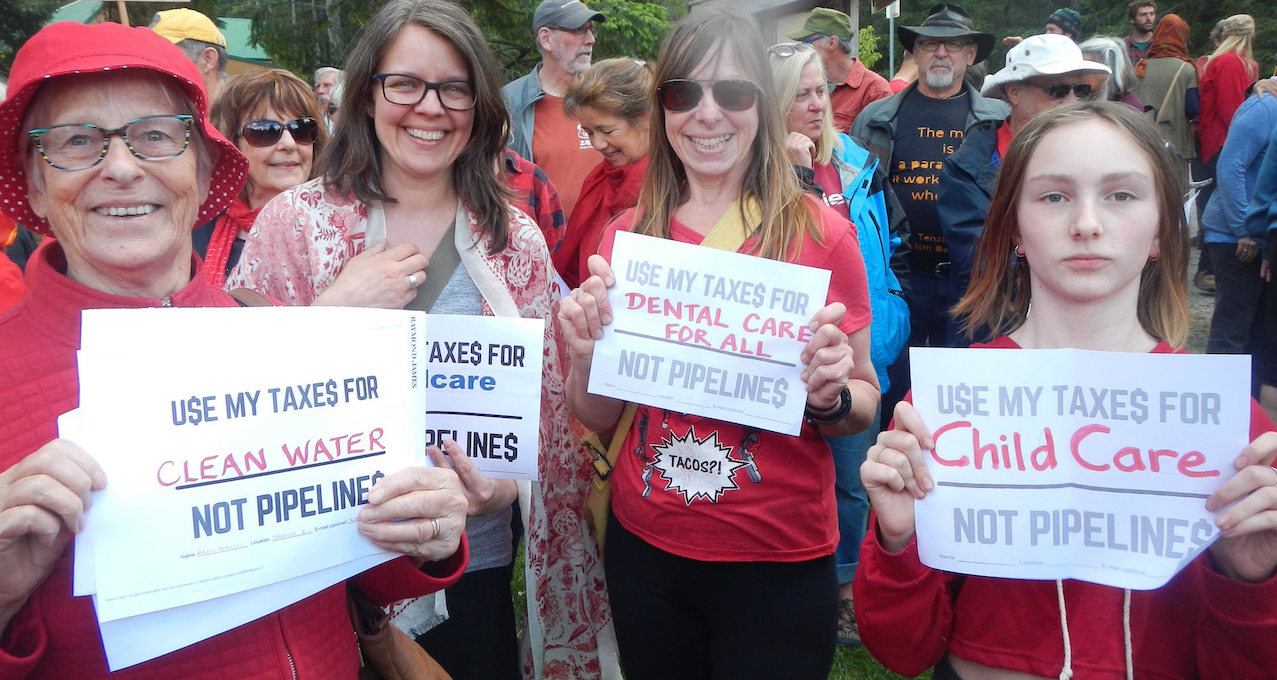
point(1066, 463)
point(708, 332)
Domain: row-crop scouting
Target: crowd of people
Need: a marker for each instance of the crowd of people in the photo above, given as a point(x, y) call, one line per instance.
point(945, 202)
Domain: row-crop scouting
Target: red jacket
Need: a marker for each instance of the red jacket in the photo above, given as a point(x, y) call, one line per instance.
point(56, 636)
point(1200, 625)
point(11, 286)
point(1222, 89)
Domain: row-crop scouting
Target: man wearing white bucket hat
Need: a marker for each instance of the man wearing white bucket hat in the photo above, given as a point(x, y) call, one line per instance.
point(1041, 73)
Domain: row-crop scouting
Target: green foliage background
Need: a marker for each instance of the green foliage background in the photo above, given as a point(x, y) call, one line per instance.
point(302, 35)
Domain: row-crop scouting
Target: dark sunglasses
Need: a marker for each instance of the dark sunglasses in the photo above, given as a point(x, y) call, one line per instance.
point(267, 132)
point(1081, 90)
point(683, 95)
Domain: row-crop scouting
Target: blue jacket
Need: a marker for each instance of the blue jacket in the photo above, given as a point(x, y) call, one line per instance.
point(1262, 215)
point(1237, 171)
point(873, 208)
point(967, 179)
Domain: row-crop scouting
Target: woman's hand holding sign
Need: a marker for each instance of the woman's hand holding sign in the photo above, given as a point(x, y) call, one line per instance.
point(483, 495)
point(1247, 548)
point(582, 316)
point(420, 512)
point(895, 475)
point(42, 503)
point(832, 361)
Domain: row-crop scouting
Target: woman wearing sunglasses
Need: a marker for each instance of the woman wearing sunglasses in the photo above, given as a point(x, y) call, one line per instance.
point(743, 585)
point(847, 177)
point(272, 117)
point(412, 212)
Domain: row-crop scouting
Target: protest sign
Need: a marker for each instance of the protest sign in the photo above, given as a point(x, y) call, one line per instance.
point(249, 469)
point(1073, 464)
point(484, 390)
point(707, 332)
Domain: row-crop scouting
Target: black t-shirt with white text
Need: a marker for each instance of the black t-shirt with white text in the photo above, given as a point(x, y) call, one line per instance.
point(927, 130)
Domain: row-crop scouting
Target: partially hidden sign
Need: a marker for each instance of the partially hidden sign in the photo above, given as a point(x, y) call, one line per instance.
point(1067, 463)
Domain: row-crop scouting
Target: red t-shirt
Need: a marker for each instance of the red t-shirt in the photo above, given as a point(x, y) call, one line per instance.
point(826, 175)
point(861, 88)
point(562, 149)
point(777, 501)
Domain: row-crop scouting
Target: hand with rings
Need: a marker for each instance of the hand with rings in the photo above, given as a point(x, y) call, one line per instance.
point(418, 511)
point(895, 475)
point(584, 312)
point(378, 277)
point(1247, 547)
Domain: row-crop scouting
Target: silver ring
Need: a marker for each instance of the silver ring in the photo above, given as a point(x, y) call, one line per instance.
point(576, 294)
point(412, 280)
point(436, 534)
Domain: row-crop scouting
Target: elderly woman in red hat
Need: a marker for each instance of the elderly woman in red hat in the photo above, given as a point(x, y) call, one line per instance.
point(105, 145)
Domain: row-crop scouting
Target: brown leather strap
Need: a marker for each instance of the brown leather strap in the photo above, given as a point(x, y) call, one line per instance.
point(250, 298)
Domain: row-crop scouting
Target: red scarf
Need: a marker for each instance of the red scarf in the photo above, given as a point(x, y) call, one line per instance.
point(606, 192)
point(238, 217)
point(1170, 39)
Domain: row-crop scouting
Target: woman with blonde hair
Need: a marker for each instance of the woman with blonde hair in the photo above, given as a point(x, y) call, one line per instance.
point(741, 584)
point(848, 177)
point(1230, 70)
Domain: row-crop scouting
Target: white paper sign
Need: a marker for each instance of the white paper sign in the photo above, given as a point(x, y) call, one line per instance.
point(234, 470)
point(484, 390)
point(1074, 464)
point(708, 332)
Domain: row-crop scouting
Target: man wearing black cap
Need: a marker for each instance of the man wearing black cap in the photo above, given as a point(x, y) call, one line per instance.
point(540, 131)
point(916, 129)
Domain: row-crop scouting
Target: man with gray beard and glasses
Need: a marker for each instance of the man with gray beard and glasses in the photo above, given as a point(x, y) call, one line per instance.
point(540, 131)
point(915, 129)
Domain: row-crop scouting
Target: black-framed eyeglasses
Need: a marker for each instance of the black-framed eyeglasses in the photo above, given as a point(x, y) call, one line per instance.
point(77, 146)
point(789, 49)
point(683, 95)
point(1061, 90)
point(266, 132)
point(580, 31)
point(406, 90)
point(933, 44)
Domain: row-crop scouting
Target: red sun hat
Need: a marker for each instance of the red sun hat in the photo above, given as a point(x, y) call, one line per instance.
point(68, 49)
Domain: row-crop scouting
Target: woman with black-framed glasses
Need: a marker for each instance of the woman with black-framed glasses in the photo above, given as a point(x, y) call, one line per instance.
point(412, 211)
point(273, 118)
point(739, 582)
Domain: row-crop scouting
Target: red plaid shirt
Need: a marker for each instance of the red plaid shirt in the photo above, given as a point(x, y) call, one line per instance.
point(535, 195)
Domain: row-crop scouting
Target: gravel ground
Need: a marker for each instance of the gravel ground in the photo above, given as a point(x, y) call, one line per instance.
point(1200, 307)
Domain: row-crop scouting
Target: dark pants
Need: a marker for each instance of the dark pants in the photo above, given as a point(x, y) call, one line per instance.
point(1236, 325)
point(679, 618)
point(478, 640)
point(1206, 169)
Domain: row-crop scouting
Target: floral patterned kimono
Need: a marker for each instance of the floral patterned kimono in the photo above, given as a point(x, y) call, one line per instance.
point(299, 244)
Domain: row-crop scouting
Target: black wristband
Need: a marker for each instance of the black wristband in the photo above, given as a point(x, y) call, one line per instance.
point(837, 414)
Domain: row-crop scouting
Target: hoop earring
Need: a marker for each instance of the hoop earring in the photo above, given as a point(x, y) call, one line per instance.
point(1019, 251)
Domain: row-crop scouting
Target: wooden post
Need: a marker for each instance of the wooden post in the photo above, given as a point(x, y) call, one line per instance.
point(853, 11)
point(124, 12)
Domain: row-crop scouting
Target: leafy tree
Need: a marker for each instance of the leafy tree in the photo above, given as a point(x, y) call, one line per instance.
point(22, 19)
point(869, 54)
